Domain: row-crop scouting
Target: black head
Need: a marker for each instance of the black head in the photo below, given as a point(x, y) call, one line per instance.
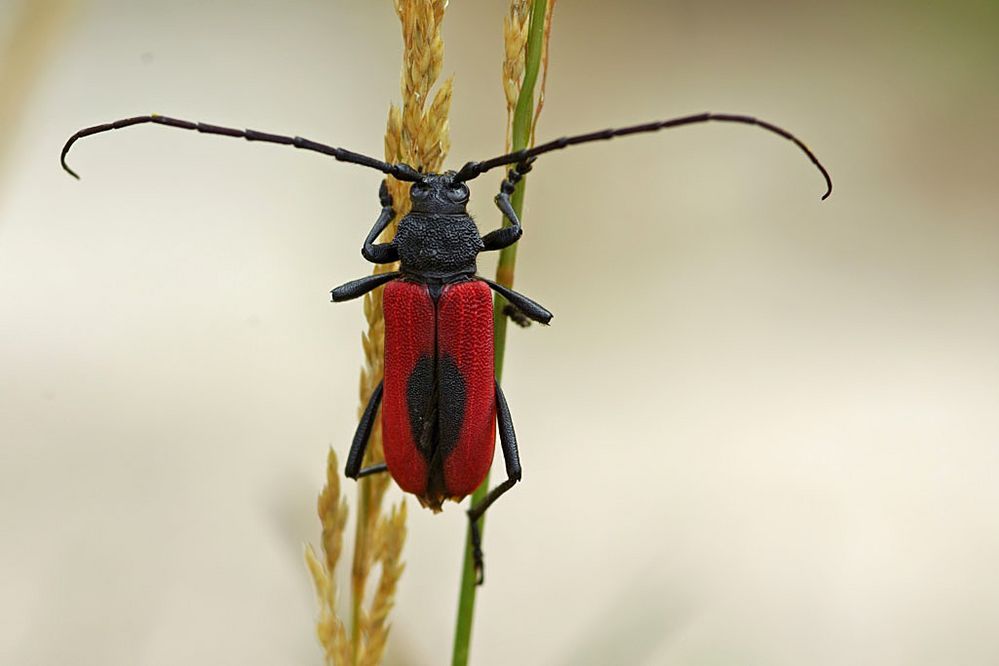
point(439, 193)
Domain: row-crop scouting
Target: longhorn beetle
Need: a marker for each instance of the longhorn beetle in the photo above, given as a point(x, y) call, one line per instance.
point(440, 399)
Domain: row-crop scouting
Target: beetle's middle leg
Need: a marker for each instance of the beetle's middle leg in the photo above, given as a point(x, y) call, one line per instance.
point(361, 286)
point(508, 442)
point(529, 308)
point(361, 436)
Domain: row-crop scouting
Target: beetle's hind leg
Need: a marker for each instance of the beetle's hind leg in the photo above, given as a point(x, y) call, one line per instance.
point(361, 436)
point(508, 442)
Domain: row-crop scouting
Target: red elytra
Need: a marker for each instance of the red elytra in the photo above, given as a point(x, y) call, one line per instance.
point(439, 403)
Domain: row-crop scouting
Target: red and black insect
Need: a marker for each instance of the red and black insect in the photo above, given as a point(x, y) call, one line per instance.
point(440, 402)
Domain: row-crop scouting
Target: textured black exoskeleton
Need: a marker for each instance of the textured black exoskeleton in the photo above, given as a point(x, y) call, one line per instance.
point(437, 243)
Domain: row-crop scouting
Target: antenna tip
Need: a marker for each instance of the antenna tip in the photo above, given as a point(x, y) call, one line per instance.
point(65, 152)
point(70, 171)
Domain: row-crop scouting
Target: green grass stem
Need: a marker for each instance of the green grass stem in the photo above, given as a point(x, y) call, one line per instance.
point(522, 124)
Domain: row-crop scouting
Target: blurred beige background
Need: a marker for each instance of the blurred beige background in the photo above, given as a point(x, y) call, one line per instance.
point(761, 429)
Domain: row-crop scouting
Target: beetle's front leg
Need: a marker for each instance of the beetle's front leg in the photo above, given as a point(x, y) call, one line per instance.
point(507, 236)
point(508, 442)
point(381, 253)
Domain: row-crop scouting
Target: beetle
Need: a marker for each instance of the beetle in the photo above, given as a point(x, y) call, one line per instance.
point(440, 402)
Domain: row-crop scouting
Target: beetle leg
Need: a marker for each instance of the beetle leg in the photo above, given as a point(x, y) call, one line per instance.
point(361, 286)
point(508, 442)
point(507, 236)
point(361, 435)
point(381, 253)
point(373, 469)
point(532, 310)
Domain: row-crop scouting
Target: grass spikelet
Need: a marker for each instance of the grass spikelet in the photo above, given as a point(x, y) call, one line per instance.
point(515, 30)
point(390, 535)
point(544, 67)
point(332, 508)
point(416, 134)
point(514, 51)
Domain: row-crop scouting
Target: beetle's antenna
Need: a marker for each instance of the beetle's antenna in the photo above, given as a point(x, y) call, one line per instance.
point(400, 171)
point(474, 169)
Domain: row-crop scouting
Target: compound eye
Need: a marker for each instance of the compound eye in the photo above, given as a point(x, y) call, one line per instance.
point(418, 191)
point(458, 193)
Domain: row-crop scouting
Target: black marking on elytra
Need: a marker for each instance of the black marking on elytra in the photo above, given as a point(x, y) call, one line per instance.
point(437, 403)
point(452, 398)
point(420, 399)
point(451, 407)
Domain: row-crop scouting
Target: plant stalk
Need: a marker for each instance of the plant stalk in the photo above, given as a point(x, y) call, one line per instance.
point(522, 125)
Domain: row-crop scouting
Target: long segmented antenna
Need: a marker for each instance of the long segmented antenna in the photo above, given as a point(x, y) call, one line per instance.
point(474, 169)
point(400, 171)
